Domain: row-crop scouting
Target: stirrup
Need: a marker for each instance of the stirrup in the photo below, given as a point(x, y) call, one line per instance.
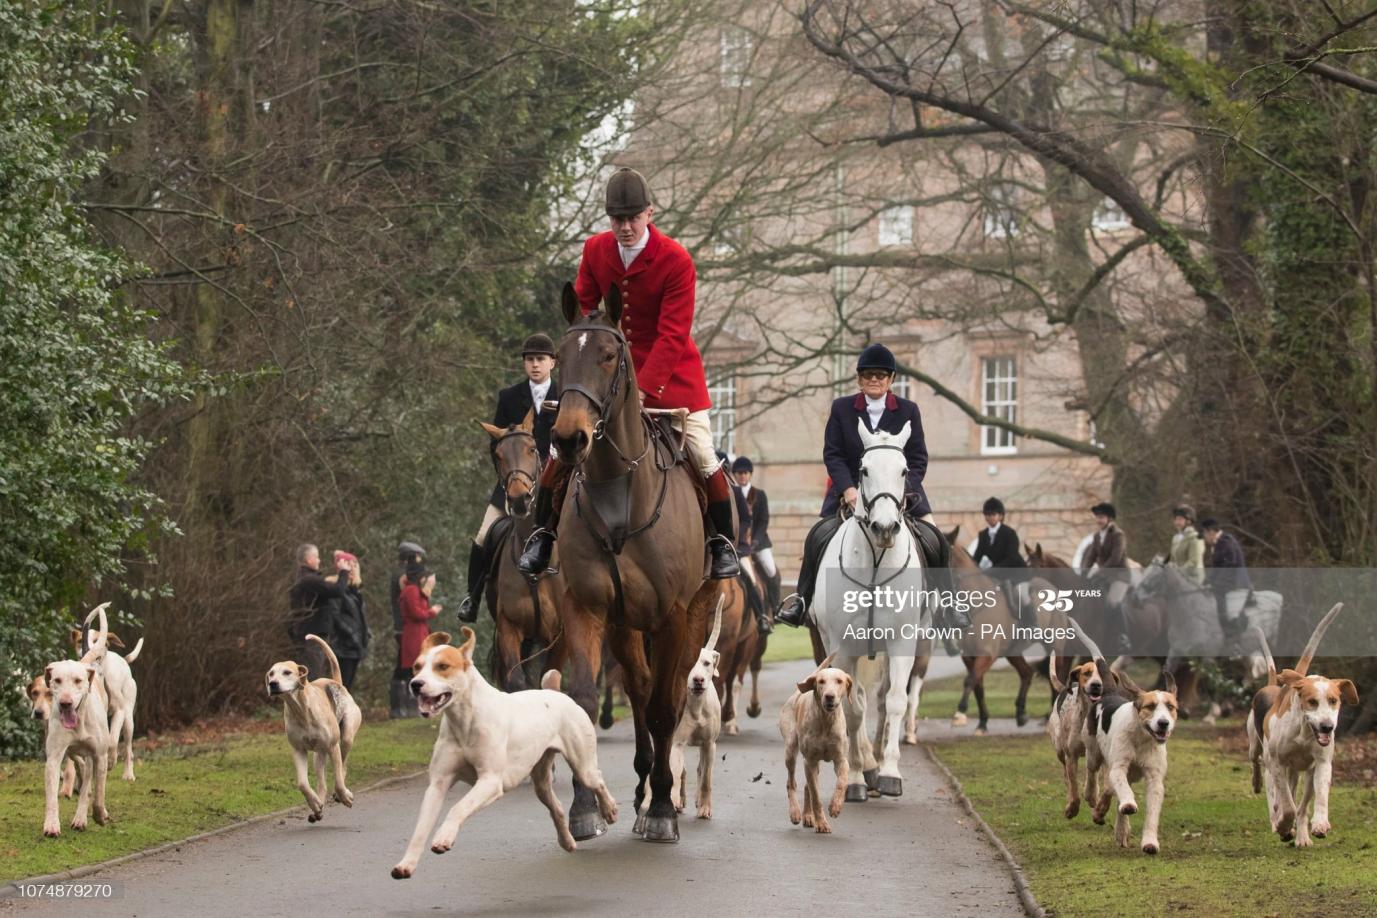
point(468, 610)
point(731, 562)
point(799, 621)
point(535, 554)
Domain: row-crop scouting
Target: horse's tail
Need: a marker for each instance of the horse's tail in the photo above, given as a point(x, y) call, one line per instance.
point(329, 657)
point(1303, 665)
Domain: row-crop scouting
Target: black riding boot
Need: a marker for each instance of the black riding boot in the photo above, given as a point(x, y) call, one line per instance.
point(794, 610)
point(541, 545)
point(1116, 629)
point(724, 565)
point(394, 699)
point(478, 577)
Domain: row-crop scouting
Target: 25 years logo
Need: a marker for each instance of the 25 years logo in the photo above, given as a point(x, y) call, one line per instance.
point(1054, 600)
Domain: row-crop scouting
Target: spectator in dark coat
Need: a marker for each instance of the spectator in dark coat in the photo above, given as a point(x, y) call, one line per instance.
point(1227, 576)
point(350, 638)
point(310, 599)
point(400, 702)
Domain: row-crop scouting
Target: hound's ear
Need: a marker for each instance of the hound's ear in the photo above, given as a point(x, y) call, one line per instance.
point(75, 637)
point(807, 685)
point(470, 641)
point(850, 686)
point(434, 639)
point(569, 304)
point(528, 422)
point(114, 640)
point(493, 431)
point(302, 671)
point(1347, 690)
point(90, 674)
point(1289, 678)
point(612, 305)
point(1168, 682)
point(48, 675)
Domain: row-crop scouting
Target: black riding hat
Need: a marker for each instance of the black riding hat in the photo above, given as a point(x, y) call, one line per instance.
point(742, 464)
point(993, 505)
point(539, 343)
point(877, 357)
point(407, 550)
point(1209, 523)
point(1104, 509)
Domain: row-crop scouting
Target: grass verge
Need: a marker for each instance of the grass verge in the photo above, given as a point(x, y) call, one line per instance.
point(184, 790)
point(1218, 853)
point(788, 644)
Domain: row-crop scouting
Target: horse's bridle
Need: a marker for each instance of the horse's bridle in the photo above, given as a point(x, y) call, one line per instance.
point(506, 480)
point(868, 503)
point(600, 402)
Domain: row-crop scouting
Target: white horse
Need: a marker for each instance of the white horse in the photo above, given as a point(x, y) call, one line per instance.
point(873, 556)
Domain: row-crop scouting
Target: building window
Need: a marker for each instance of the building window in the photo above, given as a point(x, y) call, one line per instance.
point(732, 240)
point(722, 415)
point(1109, 216)
point(896, 225)
point(737, 45)
point(1001, 219)
point(998, 399)
point(901, 386)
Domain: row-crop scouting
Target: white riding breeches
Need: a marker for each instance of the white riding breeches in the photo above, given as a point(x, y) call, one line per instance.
point(766, 559)
point(698, 442)
point(490, 516)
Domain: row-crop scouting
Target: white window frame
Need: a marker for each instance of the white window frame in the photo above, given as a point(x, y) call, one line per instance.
point(895, 226)
point(722, 414)
point(902, 386)
point(736, 46)
point(1109, 216)
point(1001, 218)
point(998, 398)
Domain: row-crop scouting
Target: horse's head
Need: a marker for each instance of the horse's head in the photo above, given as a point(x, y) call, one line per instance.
point(884, 472)
point(517, 461)
point(595, 374)
point(1152, 581)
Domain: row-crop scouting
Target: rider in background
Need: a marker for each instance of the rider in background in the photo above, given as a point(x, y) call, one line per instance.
point(1106, 563)
point(880, 410)
point(997, 547)
point(755, 536)
point(538, 358)
point(1187, 548)
point(657, 281)
point(1228, 578)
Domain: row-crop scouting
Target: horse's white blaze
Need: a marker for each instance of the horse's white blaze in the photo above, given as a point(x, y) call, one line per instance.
point(583, 340)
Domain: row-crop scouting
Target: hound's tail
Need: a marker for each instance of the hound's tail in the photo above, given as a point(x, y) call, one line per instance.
point(1303, 665)
point(1057, 685)
point(1267, 653)
point(716, 623)
point(551, 680)
point(329, 657)
point(134, 654)
point(1081, 633)
point(102, 639)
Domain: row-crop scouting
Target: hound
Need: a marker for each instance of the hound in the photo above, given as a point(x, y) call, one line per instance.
point(1291, 737)
point(41, 707)
point(492, 741)
point(122, 693)
point(321, 718)
point(1129, 729)
point(77, 726)
point(1066, 726)
point(699, 725)
point(813, 722)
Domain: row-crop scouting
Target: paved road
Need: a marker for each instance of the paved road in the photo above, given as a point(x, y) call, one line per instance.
point(914, 856)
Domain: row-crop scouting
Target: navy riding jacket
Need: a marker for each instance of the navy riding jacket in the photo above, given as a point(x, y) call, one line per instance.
point(842, 448)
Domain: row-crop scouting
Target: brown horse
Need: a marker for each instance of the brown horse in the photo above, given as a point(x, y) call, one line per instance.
point(988, 639)
point(523, 610)
point(631, 545)
point(737, 643)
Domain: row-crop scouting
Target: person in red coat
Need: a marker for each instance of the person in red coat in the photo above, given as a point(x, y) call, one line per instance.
point(416, 612)
point(657, 281)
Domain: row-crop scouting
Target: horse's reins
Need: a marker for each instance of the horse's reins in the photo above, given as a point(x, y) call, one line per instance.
point(867, 504)
point(532, 581)
point(512, 474)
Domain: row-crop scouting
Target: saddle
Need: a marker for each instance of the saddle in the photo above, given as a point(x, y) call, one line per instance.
point(497, 536)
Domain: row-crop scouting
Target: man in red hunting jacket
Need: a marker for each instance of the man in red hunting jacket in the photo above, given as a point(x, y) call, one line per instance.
point(657, 281)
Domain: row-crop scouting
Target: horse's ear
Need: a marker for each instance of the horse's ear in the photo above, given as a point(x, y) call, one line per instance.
point(569, 304)
point(1038, 548)
point(528, 422)
point(905, 431)
point(612, 304)
point(952, 536)
point(493, 431)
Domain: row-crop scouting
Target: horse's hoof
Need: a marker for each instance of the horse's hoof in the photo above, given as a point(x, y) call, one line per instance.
point(958, 720)
point(911, 739)
point(1021, 718)
point(587, 825)
point(871, 776)
point(981, 730)
point(856, 793)
point(753, 710)
point(606, 720)
point(890, 786)
point(664, 829)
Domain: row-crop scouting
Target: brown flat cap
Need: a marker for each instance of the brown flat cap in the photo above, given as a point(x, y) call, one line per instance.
point(627, 193)
point(539, 343)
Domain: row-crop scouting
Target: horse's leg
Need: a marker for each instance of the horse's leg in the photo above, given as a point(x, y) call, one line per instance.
point(959, 718)
point(510, 676)
point(672, 655)
point(726, 665)
point(606, 720)
point(915, 694)
point(583, 636)
point(1025, 681)
point(628, 648)
point(978, 671)
point(753, 709)
point(855, 706)
point(819, 652)
point(889, 782)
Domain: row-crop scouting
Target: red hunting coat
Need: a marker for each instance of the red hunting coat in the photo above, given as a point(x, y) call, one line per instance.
point(657, 315)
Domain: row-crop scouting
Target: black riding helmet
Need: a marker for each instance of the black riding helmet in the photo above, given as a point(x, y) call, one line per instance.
point(877, 357)
point(1104, 509)
point(993, 505)
point(742, 464)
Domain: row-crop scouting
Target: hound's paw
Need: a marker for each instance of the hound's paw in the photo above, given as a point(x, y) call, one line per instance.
point(608, 808)
point(102, 816)
point(1303, 840)
point(834, 807)
point(402, 871)
point(566, 841)
point(705, 811)
point(128, 774)
point(823, 828)
point(1150, 847)
point(79, 824)
point(52, 829)
point(1128, 808)
point(808, 820)
point(345, 795)
point(442, 843)
point(315, 816)
point(795, 814)
point(1072, 809)
point(1320, 829)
